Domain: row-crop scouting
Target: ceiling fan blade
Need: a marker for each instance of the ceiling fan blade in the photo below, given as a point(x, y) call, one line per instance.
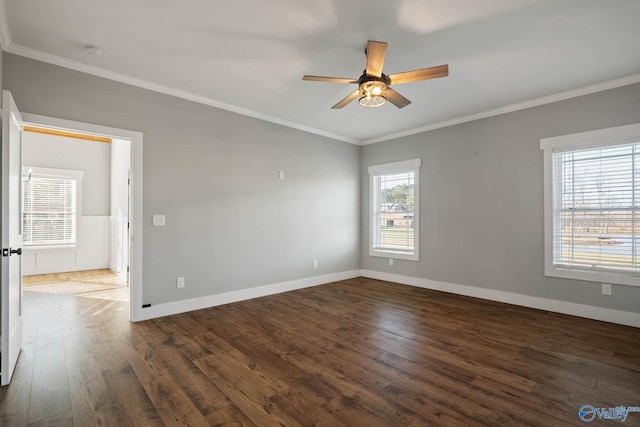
point(376, 52)
point(329, 79)
point(421, 74)
point(395, 98)
point(353, 95)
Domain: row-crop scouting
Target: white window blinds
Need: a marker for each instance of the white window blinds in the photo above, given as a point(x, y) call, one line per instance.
point(596, 220)
point(394, 210)
point(394, 213)
point(49, 211)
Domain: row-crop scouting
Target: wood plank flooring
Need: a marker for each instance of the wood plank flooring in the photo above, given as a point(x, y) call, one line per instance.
point(359, 352)
point(38, 279)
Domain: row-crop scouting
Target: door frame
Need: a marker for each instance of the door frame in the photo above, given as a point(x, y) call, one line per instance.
point(135, 207)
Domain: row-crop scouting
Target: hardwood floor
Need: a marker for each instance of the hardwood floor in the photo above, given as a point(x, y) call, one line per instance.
point(97, 284)
point(359, 352)
point(38, 279)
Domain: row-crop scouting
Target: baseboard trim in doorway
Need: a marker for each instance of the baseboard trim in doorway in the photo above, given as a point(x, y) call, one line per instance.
point(184, 306)
point(581, 310)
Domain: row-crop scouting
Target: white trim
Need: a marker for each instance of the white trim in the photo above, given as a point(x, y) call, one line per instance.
point(65, 269)
point(548, 183)
point(167, 90)
point(586, 90)
point(389, 168)
point(54, 172)
point(5, 34)
point(136, 138)
point(184, 306)
point(38, 55)
point(618, 135)
point(570, 308)
point(256, 115)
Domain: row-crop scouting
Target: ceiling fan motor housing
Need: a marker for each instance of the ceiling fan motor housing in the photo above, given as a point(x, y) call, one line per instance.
point(368, 78)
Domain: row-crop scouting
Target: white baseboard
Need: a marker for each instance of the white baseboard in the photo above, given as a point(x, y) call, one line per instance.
point(184, 306)
point(67, 269)
point(580, 310)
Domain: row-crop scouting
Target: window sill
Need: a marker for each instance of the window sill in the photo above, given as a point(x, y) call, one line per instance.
point(593, 276)
point(50, 248)
point(394, 255)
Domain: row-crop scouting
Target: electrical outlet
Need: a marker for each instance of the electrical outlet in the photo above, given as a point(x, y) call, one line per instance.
point(390, 261)
point(281, 174)
point(180, 282)
point(315, 263)
point(606, 289)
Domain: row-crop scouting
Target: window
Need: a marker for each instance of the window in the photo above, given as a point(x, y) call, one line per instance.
point(394, 210)
point(592, 205)
point(50, 207)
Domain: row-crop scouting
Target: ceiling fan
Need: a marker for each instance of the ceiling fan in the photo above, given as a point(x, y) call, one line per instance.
point(373, 85)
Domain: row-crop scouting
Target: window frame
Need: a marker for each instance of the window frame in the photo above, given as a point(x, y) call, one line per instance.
point(601, 138)
point(59, 174)
point(392, 169)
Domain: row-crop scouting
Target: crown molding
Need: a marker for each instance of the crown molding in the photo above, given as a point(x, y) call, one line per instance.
point(5, 34)
point(5, 37)
point(167, 90)
point(246, 112)
point(586, 90)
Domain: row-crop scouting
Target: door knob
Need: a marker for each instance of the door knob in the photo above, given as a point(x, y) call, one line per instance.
point(16, 251)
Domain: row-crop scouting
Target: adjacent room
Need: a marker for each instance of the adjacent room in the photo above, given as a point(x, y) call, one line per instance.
point(359, 213)
point(75, 209)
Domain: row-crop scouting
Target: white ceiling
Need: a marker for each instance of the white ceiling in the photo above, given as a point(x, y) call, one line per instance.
point(249, 55)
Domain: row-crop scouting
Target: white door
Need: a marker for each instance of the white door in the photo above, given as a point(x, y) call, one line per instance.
point(11, 269)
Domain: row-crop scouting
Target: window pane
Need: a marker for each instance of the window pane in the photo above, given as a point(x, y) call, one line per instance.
point(596, 209)
point(49, 212)
point(394, 212)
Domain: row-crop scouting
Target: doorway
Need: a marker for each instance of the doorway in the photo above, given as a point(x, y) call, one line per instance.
point(122, 225)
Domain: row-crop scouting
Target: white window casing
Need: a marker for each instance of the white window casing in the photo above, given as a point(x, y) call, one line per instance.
point(592, 205)
point(51, 207)
point(394, 215)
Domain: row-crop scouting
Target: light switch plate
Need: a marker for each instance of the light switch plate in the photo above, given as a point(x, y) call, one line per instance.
point(158, 220)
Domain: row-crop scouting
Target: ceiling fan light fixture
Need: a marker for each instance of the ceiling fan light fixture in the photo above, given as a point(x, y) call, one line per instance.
point(372, 94)
point(371, 102)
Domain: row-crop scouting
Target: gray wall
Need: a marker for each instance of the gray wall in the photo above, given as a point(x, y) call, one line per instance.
point(231, 223)
point(93, 158)
point(481, 199)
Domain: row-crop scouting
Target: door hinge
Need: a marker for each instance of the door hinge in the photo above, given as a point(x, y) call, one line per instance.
point(127, 268)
